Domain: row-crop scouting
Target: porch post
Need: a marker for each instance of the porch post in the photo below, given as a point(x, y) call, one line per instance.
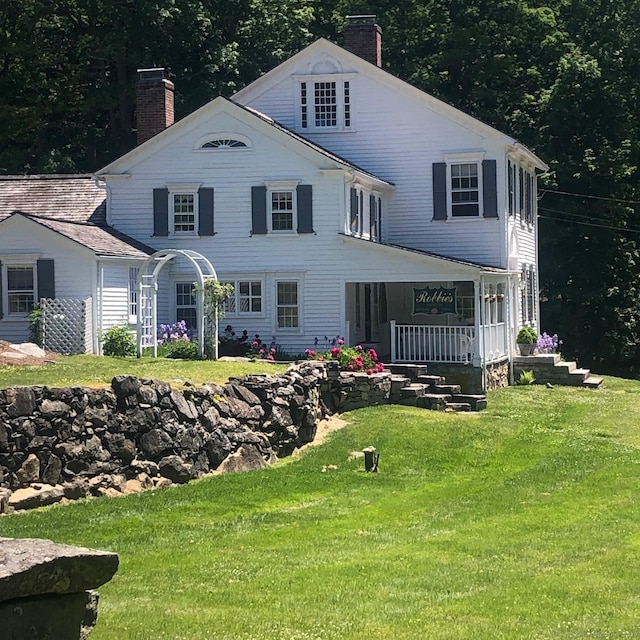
point(392, 325)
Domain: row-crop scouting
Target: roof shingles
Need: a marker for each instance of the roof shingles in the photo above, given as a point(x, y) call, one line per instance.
point(71, 205)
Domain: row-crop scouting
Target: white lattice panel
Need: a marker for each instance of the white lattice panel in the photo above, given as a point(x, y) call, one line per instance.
point(64, 325)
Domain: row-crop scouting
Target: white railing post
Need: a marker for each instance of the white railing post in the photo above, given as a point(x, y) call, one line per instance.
point(392, 325)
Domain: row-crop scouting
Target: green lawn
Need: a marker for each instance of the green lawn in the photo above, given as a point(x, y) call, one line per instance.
point(94, 370)
point(520, 522)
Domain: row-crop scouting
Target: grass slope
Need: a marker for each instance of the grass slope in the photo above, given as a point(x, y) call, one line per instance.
point(99, 371)
point(520, 522)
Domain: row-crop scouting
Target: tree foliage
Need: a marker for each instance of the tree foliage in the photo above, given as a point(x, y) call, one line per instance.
point(563, 76)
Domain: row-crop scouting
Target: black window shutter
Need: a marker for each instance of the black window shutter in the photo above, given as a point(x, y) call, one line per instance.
point(205, 211)
point(439, 190)
point(1, 309)
point(305, 208)
point(489, 189)
point(353, 211)
point(259, 210)
point(46, 279)
point(373, 218)
point(161, 212)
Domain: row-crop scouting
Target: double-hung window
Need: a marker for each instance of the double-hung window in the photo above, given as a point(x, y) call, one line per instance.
point(246, 298)
point(287, 304)
point(21, 290)
point(465, 191)
point(186, 304)
point(134, 272)
point(183, 209)
point(282, 210)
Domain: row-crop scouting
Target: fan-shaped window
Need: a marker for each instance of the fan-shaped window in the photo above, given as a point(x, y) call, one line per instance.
point(224, 143)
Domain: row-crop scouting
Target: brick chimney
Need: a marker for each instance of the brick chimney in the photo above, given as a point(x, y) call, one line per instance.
point(363, 37)
point(154, 102)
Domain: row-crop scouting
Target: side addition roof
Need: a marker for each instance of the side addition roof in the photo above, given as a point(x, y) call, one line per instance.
point(70, 205)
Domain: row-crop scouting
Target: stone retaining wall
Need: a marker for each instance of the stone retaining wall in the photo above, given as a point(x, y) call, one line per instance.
point(72, 442)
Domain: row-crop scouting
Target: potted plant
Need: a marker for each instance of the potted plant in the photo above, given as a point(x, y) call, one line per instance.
point(526, 340)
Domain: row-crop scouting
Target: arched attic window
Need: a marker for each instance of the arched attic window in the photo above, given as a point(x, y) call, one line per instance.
point(222, 140)
point(224, 143)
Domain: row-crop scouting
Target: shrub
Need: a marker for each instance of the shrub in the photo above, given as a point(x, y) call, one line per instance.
point(35, 326)
point(180, 350)
point(527, 335)
point(118, 342)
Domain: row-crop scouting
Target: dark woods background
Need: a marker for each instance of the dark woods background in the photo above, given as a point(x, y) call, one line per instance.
point(562, 76)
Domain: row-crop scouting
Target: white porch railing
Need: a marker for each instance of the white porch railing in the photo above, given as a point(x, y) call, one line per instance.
point(495, 342)
point(430, 343)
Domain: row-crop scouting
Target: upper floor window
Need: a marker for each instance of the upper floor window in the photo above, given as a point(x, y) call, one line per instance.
point(465, 186)
point(183, 210)
point(465, 194)
point(325, 103)
point(282, 210)
point(521, 186)
point(184, 213)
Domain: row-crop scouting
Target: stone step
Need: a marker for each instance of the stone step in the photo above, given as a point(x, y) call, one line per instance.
point(409, 370)
point(541, 359)
point(436, 401)
point(593, 382)
point(477, 402)
point(430, 380)
point(413, 390)
point(446, 388)
point(399, 382)
point(457, 406)
point(578, 377)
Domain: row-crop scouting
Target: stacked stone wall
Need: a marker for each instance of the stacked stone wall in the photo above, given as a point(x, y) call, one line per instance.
point(72, 442)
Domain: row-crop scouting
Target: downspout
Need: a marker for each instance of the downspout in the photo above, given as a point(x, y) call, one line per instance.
point(99, 303)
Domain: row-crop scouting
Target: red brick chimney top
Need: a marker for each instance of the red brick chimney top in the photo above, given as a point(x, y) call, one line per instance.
point(154, 102)
point(363, 37)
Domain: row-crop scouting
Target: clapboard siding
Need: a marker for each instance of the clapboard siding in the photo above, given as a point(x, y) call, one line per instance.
point(75, 269)
point(399, 139)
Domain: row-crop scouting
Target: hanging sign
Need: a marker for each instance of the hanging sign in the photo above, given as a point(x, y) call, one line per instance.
point(434, 301)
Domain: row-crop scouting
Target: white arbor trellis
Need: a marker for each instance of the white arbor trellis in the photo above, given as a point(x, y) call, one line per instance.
point(148, 298)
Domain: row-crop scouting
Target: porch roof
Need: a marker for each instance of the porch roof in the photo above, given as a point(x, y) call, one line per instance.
point(479, 268)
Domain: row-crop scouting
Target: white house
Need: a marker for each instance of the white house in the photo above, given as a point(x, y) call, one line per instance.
point(339, 201)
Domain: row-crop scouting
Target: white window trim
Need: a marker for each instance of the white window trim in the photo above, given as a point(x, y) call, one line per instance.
point(288, 330)
point(339, 79)
point(183, 189)
point(282, 185)
point(464, 158)
point(235, 280)
point(12, 262)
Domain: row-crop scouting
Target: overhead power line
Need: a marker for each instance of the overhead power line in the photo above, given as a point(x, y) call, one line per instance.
point(585, 195)
point(587, 224)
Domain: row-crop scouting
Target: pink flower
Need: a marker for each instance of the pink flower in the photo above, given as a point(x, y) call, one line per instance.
point(269, 357)
point(369, 372)
point(255, 344)
point(261, 352)
point(373, 355)
point(360, 363)
point(350, 367)
point(359, 347)
point(334, 352)
point(272, 350)
point(321, 358)
point(340, 341)
point(380, 367)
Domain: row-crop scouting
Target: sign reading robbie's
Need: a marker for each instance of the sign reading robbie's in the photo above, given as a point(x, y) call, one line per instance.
point(434, 300)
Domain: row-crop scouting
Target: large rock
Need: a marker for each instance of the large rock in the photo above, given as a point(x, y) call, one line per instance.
point(175, 468)
point(246, 458)
point(22, 401)
point(156, 444)
point(37, 495)
point(30, 470)
point(45, 589)
point(31, 567)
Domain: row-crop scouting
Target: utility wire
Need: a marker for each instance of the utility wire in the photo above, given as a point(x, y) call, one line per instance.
point(588, 224)
point(584, 195)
